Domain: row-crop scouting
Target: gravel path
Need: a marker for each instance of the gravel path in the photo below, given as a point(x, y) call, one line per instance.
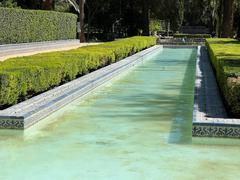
point(26, 49)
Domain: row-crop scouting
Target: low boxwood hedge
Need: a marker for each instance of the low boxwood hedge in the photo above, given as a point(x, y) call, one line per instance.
point(225, 58)
point(192, 36)
point(24, 77)
point(18, 25)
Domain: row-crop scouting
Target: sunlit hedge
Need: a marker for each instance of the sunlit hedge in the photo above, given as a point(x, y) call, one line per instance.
point(23, 77)
point(192, 36)
point(225, 57)
point(17, 25)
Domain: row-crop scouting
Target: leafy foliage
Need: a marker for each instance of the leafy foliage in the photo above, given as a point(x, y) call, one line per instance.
point(155, 26)
point(225, 57)
point(19, 25)
point(61, 6)
point(101, 15)
point(8, 3)
point(21, 78)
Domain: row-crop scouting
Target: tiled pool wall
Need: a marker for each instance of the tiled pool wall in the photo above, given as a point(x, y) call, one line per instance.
point(29, 112)
point(210, 118)
point(215, 130)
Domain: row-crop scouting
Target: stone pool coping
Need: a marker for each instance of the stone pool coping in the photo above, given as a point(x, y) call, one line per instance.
point(29, 112)
point(209, 115)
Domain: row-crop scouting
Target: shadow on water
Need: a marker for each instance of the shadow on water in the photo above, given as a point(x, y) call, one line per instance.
point(205, 68)
point(181, 129)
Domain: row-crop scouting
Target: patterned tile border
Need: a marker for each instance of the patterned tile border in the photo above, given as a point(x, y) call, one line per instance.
point(211, 130)
point(28, 113)
point(209, 115)
point(12, 123)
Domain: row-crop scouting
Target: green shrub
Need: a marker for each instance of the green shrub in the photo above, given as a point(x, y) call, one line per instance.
point(192, 36)
point(18, 26)
point(23, 77)
point(154, 26)
point(225, 57)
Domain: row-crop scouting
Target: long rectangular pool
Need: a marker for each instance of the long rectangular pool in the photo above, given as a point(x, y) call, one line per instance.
point(138, 126)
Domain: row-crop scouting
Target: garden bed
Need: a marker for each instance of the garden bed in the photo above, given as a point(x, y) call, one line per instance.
point(24, 77)
point(225, 58)
point(29, 112)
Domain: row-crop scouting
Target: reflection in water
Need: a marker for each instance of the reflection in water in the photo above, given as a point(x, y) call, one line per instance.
point(181, 132)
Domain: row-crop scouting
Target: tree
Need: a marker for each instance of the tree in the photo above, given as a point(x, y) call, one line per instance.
point(47, 4)
point(36, 4)
point(174, 12)
point(93, 7)
point(8, 3)
point(227, 18)
point(237, 18)
point(146, 13)
point(81, 20)
point(79, 7)
point(132, 16)
point(62, 6)
point(180, 13)
point(216, 16)
point(154, 26)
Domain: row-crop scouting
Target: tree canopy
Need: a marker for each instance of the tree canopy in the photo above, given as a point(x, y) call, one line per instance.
point(132, 17)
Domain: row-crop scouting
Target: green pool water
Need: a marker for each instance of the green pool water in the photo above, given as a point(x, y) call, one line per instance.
point(138, 126)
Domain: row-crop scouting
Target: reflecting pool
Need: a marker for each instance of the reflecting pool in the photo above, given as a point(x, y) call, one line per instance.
point(138, 126)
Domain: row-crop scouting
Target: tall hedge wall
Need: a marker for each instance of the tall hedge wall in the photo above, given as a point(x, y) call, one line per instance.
point(18, 26)
point(23, 77)
point(225, 57)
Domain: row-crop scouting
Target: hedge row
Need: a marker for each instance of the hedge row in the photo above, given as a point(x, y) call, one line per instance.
point(192, 36)
point(18, 26)
point(225, 57)
point(23, 77)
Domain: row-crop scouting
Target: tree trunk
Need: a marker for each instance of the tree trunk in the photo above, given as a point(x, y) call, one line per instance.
point(238, 23)
point(180, 14)
point(81, 19)
point(88, 30)
point(145, 18)
point(227, 25)
point(219, 18)
point(238, 32)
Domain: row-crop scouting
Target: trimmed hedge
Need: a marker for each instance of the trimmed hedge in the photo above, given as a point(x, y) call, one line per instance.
point(23, 77)
point(225, 57)
point(19, 26)
point(192, 36)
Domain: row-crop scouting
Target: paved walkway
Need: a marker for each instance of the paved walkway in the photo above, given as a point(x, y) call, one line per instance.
point(26, 49)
